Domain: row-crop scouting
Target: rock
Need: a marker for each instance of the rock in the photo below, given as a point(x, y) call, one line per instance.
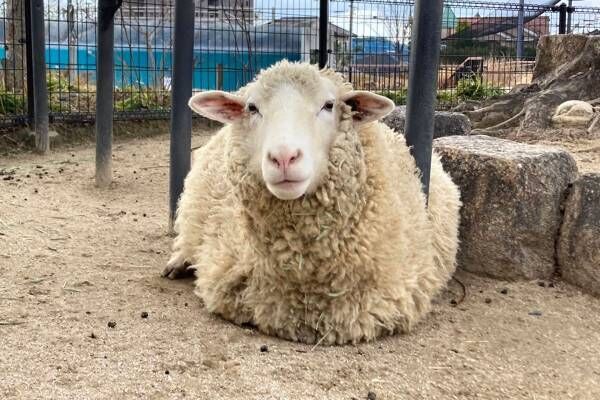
point(450, 124)
point(446, 123)
point(579, 243)
point(512, 195)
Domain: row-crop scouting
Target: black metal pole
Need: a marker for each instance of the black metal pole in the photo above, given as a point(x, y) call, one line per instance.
point(323, 24)
point(40, 88)
point(29, 61)
point(104, 90)
point(520, 29)
point(422, 83)
point(562, 19)
point(570, 10)
point(181, 115)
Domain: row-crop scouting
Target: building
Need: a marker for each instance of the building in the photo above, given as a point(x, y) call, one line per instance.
point(502, 30)
point(205, 10)
point(338, 42)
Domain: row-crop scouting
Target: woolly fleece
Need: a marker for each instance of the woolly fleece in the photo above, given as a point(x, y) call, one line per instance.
point(360, 258)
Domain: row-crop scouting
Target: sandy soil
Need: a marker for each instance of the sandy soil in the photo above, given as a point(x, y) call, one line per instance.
point(585, 151)
point(79, 266)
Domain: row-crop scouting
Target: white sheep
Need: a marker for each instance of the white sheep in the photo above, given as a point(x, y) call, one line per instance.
point(304, 216)
point(573, 113)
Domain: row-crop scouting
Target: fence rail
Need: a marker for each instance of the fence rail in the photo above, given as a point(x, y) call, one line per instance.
point(367, 40)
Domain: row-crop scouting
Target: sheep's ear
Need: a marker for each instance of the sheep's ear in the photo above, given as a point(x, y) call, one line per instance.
point(367, 106)
point(217, 105)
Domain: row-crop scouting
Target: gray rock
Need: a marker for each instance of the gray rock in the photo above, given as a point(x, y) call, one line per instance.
point(446, 123)
point(579, 244)
point(512, 195)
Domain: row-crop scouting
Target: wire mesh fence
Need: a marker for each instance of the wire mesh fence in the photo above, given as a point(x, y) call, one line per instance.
point(487, 48)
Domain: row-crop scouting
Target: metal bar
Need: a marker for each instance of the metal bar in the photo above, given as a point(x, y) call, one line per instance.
point(40, 89)
point(219, 76)
point(181, 115)
point(570, 10)
point(323, 25)
point(72, 39)
point(562, 19)
point(422, 83)
point(350, 40)
point(29, 61)
point(520, 29)
point(104, 90)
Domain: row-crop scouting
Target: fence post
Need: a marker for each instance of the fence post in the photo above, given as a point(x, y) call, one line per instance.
point(29, 62)
point(323, 25)
point(350, 41)
point(181, 115)
point(562, 19)
point(422, 83)
point(40, 88)
point(570, 10)
point(520, 29)
point(104, 90)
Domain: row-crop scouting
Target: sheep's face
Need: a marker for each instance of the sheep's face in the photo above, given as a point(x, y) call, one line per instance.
point(290, 125)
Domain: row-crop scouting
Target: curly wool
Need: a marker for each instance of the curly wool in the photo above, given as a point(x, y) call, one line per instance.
point(360, 258)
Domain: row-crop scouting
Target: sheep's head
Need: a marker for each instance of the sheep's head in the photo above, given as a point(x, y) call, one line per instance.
point(288, 118)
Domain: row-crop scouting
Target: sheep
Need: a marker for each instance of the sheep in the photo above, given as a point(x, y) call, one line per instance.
point(573, 113)
point(305, 217)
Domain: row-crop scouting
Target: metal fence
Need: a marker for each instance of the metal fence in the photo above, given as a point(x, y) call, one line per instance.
point(487, 48)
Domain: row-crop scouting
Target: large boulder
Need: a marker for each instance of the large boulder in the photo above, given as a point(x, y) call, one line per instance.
point(512, 195)
point(446, 123)
point(579, 244)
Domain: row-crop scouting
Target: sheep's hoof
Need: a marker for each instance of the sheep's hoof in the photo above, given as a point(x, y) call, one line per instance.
point(176, 270)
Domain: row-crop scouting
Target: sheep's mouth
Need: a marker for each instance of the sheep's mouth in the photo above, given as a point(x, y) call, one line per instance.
point(288, 189)
point(289, 183)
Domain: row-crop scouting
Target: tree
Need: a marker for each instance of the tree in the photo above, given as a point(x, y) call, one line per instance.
point(14, 67)
point(397, 21)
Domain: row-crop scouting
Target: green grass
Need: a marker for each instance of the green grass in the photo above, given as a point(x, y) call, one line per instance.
point(11, 103)
point(397, 96)
point(473, 88)
point(140, 98)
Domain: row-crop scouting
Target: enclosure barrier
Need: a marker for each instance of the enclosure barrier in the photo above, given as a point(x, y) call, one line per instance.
point(104, 91)
point(487, 49)
point(40, 90)
point(181, 114)
point(422, 84)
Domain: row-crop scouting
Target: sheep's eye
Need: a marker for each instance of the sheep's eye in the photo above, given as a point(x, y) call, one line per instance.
point(252, 108)
point(328, 106)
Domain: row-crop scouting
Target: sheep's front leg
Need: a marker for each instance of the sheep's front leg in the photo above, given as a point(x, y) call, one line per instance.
point(177, 267)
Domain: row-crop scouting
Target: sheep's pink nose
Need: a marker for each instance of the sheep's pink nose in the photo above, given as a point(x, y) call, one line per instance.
point(283, 158)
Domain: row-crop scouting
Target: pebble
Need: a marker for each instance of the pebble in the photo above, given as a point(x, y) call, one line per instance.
point(144, 314)
point(488, 300)
point(453, 302)
point(541, 284)
point(264, 348)
point(371, 396)
point(112, 324)
point(504, 291)
point(93, 336)
point(535, 313)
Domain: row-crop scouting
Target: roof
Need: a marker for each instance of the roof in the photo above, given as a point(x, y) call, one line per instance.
point(448, 18)
point(304, 22)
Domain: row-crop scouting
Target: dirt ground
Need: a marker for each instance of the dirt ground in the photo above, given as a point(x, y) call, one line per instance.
point(79, 266)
